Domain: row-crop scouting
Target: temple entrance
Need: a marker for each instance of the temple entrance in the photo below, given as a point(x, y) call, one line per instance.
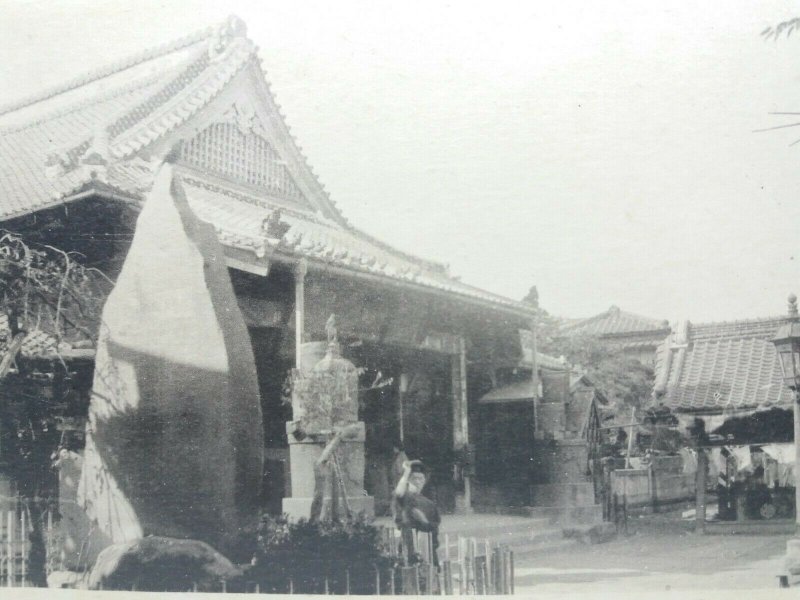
point(504, 441)
point(414, 410)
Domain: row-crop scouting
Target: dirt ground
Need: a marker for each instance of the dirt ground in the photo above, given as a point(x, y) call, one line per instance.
point(659, 553)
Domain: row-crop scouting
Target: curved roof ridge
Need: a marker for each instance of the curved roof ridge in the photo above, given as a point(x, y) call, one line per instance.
point(615, 311)
point(110, 69)
point(739, 321)
point(635, 315)
point(66, 110)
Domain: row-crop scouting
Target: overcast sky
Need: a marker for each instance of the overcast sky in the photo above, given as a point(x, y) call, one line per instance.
point(605, 154)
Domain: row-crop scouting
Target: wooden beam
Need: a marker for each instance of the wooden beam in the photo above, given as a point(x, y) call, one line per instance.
point(248, 267)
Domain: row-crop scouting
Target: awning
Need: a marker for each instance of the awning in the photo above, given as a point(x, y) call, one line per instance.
point(515, 392)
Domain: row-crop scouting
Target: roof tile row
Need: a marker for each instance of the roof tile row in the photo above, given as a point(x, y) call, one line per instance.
point(722, 367)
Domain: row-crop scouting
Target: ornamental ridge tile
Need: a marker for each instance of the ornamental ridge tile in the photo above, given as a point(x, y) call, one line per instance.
point(111, 69)
point(81, 105)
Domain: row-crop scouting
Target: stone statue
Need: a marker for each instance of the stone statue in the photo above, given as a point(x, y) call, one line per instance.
point(330, 330)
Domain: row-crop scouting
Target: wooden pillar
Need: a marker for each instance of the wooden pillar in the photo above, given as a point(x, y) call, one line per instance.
point(535, 379)
point(299, 309)
point(630, 438)
point(700, 491)
point(460, 411)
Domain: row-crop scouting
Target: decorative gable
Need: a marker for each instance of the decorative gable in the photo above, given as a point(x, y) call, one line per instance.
point(236, 148)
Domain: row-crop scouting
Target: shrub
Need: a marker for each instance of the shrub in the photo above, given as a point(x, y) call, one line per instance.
point(307, 553)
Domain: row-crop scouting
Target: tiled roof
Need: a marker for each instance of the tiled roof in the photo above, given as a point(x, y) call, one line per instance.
point(725, 367)
point(50, 145)
point(37, 343)
point(545, 361)
point(615, 322)
point(648, 344)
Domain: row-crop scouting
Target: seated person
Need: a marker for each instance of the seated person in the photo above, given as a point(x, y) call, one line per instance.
point(415, 511)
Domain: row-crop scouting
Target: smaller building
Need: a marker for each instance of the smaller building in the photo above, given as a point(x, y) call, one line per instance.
point(549, 433)
point(637, 336)
point(717, 371)
point(724, 379)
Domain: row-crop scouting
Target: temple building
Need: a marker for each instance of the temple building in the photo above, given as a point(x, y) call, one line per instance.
point(76, 161)
point(636, 336)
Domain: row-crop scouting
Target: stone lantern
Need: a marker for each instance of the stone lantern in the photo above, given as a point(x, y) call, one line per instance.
point(324, 401)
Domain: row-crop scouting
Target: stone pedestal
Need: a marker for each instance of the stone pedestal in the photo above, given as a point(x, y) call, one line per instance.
point(302, 456)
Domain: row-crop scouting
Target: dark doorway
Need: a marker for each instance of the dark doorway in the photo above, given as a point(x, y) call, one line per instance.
point(505, 451)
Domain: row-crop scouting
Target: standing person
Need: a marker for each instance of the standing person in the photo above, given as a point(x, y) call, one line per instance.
point(415, 511)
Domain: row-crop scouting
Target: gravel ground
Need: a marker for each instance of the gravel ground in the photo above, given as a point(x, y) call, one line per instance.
point(660, 553)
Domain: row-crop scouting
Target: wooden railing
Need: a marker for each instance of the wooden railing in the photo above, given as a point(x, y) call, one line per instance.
point(467, 566)
point(15, 545)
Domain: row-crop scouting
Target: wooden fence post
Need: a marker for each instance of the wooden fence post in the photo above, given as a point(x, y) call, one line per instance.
point(480, 575)
point(24, 547)
point(625, 512)
point(10, 548)
point(447, 572)
point(511, 578)
point(487, 553)
point(462, 569)
point(410, 581)
point(497, 571)
point(506, 589)
point(700, 491)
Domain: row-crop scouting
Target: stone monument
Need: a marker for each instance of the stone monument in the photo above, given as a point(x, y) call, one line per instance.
point(174, 442)
point(324, 402)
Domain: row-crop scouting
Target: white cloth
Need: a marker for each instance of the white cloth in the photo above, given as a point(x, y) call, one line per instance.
point(721, 461)
point(771, 472)
point(636, 463)
point(689, 460)
point(783, 453)
point(786, 475)
point(744, 461)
